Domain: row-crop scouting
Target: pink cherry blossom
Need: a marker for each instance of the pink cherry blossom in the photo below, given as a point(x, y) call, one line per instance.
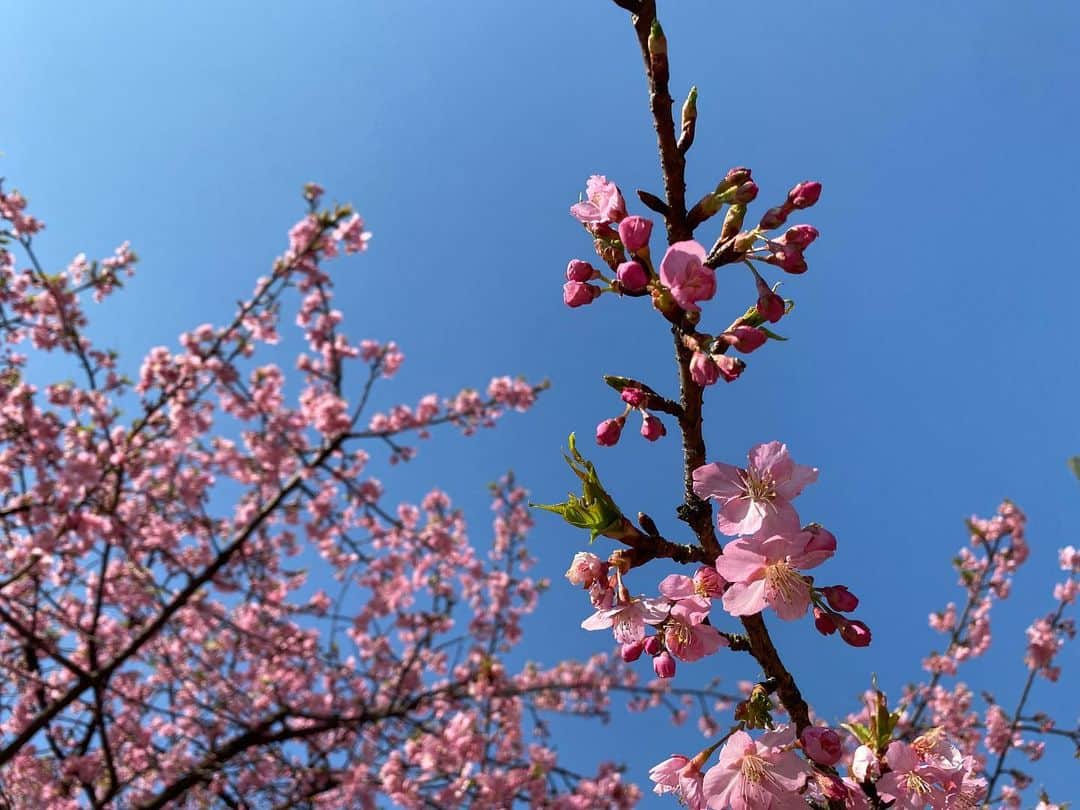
point(586, 569)
point(683, 272)
point(603, 202)
point(686, 637)
point(822, 744)
point(764, 572)
point(752, 776)
point(757, 498)
point(699, 590)
point(628, 619)
point(682, 777)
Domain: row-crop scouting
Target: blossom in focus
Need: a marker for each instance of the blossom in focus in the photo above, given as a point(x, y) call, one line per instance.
point(754, 776)
point(628, 620)
point(682, 271)
point(757, 498)
point(764, 572)
point(603, 202)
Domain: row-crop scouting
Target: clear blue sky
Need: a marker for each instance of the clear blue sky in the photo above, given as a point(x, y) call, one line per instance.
point(931, 369)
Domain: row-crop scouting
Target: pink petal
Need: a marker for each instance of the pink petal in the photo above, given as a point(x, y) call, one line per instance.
point(718, 481)
point(585, 211)
point(739, 563)
point(740, 516)
point(771, 457)
point(790, 608)
point(677, 586)
point(601, 620)
point(745, 599)
point(801, 476)
point(654, 611)
point(692, 610)
point(780, 517)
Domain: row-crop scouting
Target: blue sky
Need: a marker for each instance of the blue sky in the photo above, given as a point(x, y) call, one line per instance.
point(931, 369)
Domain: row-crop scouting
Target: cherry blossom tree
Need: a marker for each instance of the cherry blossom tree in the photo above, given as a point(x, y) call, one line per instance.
point(207, 598)
point(929, 748)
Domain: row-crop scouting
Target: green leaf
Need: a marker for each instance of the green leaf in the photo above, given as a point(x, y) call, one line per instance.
point(861, 732)
point(594, 509)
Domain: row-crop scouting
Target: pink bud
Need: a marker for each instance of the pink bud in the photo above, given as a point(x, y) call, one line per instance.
point(747, 192)
point(824, 621)
point(804, 194)
point(774, 217)
point(730, 367)
point(631, 651)
point(576, 294)
point(634, 397)
point(579, 270)
point(822, 542)
point(823, 745)
point(800, 236)
point(634, 233)
point(745, 338)
point(608, 431)
point(855, 633)
point(840, 598)
point(664, 665)
point(652, 645)
point(652, 428)
point(790, 260)
point(703, 369)
point(737, 176)
point(632, 276)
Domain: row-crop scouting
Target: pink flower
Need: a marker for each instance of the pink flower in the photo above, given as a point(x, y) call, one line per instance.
point(823, 745)
point(631, 652)
point(909, 783)
point(686, 637)
point(765, 572)
point(628, 620)
point(682, 776)
point(750, 776)
point(682, 271)
point(604, 202)
point(799, 236)
point(577, 294)
point(632, 276)
point(586, 569)
point(864, 764)
point(757, 498)
point(608, 431)
point(698, 591)
point(634, 233)
point(652, 428)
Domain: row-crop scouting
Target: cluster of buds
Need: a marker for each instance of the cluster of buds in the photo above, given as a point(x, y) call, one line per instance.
point(829, 603)
point(609, 431)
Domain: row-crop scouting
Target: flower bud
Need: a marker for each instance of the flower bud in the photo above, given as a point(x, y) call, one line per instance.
point(840, 598)
point(800, 236)
point(634, 233)
point(824, 621)
point(790, 260)
point(821, 546)
point(703, 369)
point(631, 651)
point(730, 367)
point(664, 665)
point(733, 221)
point(634, 397)
point(804, 194)
point(586, 570)
point(632, 276)
point(855, 633)
point(579, 270)
point(774, 217)
point(745, 338)
point(652, 645)
point(770, 306)
point(734, 177)
point(652, 428)
point(823, 745)
point(576, 294)
point(608, 431)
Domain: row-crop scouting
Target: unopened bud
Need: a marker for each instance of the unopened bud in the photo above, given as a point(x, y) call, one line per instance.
point(634, 233)
point(840, 598)
point(664, 665)
point(608, 431)
point(576, 294)
point(824, 621)
point(579, 270)
point(632, 276)
point(855, 633)
point(804, 194)
point(652, 428)
point(631, 651)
